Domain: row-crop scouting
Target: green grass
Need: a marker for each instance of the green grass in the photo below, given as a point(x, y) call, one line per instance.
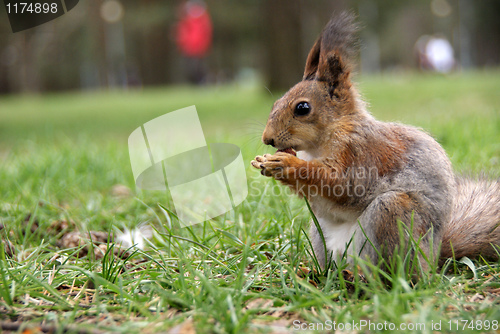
point(61, 155)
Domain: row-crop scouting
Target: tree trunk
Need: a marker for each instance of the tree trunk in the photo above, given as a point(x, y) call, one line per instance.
point(290, 28)
point(282, 38)
point(98, 41)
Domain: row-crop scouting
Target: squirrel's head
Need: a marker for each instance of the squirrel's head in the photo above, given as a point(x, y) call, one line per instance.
point(324, 101)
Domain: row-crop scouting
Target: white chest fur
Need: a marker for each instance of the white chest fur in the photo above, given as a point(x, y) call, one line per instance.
point(337, 223)
point(304, 155)
point(337, 237)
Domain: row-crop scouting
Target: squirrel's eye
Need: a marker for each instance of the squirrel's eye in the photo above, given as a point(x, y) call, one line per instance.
point(302, 109)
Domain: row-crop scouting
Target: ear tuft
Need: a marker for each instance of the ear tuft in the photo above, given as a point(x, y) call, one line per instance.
point(338, 37)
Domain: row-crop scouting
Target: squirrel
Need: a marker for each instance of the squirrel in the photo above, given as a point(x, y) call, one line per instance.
point(361, 176)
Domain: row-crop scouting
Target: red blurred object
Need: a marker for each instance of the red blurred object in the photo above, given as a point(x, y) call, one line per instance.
point(194, 31)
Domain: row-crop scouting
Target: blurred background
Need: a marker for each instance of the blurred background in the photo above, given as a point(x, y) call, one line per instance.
point(131, 44)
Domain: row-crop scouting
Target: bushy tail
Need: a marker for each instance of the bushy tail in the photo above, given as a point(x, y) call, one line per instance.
point(475, 221)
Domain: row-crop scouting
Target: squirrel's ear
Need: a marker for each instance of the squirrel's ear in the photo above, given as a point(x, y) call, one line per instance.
point(331, 57)
point(333, 71)
point(312, 61)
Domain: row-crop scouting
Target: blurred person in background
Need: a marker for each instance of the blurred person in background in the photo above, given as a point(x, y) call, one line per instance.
point(194, 38)
point(435, 53)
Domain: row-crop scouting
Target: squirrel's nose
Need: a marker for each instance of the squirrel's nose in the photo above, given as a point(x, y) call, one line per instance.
point(268, 136)
point(269, 141)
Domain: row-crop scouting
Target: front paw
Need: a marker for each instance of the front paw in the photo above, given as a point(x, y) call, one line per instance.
point(276, 165)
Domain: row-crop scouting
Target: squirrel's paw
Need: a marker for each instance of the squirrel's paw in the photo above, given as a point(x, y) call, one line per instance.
point(275, 165)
